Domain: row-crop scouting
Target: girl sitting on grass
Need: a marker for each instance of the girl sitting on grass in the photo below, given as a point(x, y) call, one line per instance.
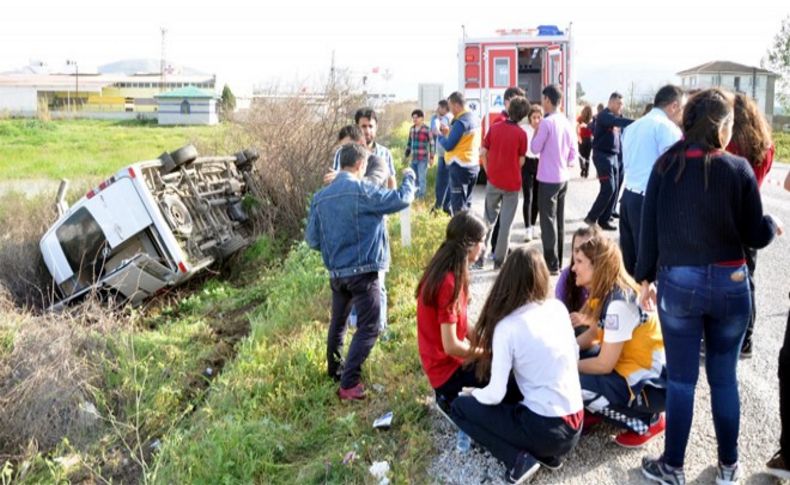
point(521, 330)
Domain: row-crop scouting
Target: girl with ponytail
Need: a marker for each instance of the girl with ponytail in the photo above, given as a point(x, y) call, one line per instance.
point(441, 309)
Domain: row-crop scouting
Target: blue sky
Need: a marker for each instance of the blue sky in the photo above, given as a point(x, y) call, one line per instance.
point(285, 43)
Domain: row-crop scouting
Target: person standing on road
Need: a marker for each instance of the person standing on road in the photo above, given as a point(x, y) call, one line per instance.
point(524, 333)
point(624, 382)
point(643, 142)
point(751, 139)
point(701, 208)
point(346, 223)
point(606, 148)
point(462, 142)
point(439, 119)
point(585, 139)
point(503, 153)
point(555, 144)
point(510, 93)
point(529, 175)
point(420, 148)
point(779, 464)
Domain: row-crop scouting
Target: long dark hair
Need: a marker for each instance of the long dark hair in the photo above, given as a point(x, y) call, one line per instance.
point(751, 134)
point(703, 115)
point(464, 231)
point(573, 295)
point(523, 278)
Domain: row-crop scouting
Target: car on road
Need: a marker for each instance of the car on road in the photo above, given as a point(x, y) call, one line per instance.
point(152, 225)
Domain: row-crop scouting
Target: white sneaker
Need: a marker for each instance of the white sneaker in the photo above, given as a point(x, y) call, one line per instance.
point(728, 474)
point(530, 235)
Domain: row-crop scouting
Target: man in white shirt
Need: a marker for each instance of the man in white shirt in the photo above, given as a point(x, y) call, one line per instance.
point(644, 141)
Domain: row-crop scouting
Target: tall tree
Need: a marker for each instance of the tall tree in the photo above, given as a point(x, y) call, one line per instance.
point(580, 93)
point(227, 102)
point(779, 62)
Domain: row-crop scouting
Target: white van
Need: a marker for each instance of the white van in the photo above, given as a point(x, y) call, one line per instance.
point(153, 224)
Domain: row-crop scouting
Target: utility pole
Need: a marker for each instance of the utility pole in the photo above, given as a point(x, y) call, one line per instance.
point(332, 71)
point(163, 61)
point(77, 81)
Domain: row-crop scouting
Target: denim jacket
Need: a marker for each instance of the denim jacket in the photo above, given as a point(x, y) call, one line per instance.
point(346, 223)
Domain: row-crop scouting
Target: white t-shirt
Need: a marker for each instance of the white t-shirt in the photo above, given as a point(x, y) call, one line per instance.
point(537, 343)
point(620, 321)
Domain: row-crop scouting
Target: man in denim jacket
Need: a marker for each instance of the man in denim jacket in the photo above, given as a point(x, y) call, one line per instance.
point(346, 223)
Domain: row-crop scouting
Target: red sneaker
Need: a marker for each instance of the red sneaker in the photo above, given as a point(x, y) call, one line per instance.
point(590, 421)
point(630, 439)
point(356, 393)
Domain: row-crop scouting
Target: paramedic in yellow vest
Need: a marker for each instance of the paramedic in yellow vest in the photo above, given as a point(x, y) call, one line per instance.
point(625, 383)
point(461, 140)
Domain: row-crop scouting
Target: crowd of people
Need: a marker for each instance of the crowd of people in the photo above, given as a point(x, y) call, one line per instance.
point(621, 338)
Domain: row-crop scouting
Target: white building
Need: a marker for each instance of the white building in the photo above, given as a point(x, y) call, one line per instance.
point(187, 106)
point(753, 81)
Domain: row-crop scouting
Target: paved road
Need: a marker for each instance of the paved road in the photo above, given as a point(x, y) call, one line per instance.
point(597, 459)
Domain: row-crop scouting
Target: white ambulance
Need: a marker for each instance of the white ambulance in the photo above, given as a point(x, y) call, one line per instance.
point(528, 58)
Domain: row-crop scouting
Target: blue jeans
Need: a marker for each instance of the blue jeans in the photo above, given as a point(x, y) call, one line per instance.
point(420, 168)
point(352, 316)
point(462, 182)
point(695, 301)
point(442, 185)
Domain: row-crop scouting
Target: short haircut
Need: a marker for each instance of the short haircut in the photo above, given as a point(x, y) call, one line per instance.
point(615, 95)
point(513, 91)
point(418, 112)
point(351, 153)
point(667, 95)
point(554, 94)
point(518, 108)
point(350, 131)
point(368, 113)
point(443, 104)
point(457, 98)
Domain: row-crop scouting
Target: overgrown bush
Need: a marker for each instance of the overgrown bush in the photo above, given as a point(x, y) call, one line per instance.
point(296, 137)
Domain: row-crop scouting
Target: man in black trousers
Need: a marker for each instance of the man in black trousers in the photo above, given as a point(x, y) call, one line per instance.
point(606, 148)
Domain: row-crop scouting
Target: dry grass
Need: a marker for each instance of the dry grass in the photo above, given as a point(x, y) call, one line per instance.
point(46, 378)
point(296, 138)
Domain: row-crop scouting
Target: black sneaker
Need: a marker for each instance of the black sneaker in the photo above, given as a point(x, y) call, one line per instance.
point(526, 466)
point(607, 226)
point(746, 349)
point(615, 215)
point(655, 469)
point(550, 462)
point(497, 265)
point(444, 409)
point(777, 466)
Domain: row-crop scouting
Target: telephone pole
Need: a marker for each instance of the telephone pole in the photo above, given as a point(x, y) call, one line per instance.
point(163, 62)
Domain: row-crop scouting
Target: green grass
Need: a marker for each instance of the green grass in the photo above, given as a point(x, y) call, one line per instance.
point(273, 416)
point(33, 149)
point(782, 142)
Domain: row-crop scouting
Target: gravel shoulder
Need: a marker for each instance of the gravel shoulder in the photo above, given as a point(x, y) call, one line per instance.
point(597, 459)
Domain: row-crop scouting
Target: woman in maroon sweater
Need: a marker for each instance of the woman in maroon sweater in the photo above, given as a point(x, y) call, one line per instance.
point(751, 139)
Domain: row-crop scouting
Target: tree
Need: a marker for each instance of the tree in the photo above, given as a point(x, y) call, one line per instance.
point(579, 93)
point(227, 102)
point(779, 62)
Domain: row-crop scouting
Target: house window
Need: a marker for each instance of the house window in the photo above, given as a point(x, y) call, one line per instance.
point(185, 108)
point(737, 83)
point(501, 72)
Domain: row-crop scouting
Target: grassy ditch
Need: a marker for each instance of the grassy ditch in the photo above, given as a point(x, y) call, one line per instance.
point(273, 416)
